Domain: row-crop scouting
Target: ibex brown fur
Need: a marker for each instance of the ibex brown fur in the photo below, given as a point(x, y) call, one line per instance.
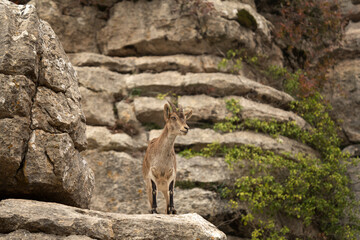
point(159, 166)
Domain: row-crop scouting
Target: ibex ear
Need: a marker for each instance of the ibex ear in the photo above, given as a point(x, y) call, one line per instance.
point(188, 114)
point(167, 112)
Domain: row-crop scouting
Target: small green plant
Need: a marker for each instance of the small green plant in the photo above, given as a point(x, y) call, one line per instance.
point(231, 123)
point(232, 56)
point(162, 96)
point(209, 151)
point(135, 92)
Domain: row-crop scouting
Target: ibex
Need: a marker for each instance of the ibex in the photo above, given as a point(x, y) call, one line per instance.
point(159, 166)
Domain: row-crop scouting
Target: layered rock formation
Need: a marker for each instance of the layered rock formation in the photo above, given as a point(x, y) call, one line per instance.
point(42, 124)
point(43, 133)
point(345, 96)
point(130, 56)
point(123, 96)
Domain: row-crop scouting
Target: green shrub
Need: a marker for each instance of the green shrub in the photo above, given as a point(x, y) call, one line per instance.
point(313, 190)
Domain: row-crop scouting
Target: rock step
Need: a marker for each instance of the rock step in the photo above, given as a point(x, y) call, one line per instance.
point(103, 139)
point(148, 84)
point(34, 216)
point(212, 84)
point(205, 108)
point(151, 64)
point(198, 138)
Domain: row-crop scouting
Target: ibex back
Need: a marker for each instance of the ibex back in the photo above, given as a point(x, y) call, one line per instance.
point(159, 166)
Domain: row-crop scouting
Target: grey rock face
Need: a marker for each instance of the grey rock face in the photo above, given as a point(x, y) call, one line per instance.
point(166, 28)
point(151, 64)
point(206, 108)
point(25, 234)
point(97, 107)
point(64, 220)
point(102, 139)
point(212, 84)
point(198, 138)
point(74, 23)
point(42, 124)
point(345, 98)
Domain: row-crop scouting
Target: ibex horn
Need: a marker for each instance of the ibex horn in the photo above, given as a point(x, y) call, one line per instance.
point(172, 106)
point(180, 108)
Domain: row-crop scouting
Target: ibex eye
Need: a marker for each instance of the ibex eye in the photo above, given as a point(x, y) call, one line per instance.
point(173, 118)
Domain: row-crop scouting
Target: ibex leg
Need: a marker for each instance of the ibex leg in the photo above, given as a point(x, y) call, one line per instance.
point(154, 192)
point(171, 208)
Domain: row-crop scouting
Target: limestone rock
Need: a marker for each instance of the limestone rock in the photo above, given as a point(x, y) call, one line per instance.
point(98, 107)
point(203, 170)
point(152, 64)
point(197, 138)
point(209, 109)
point(166, 28)
point(353, 150)
point(150, 110)
point(212, 84)
point(14, 136)
point(39, 104)
point(53, 168)
point(350, 9)
point(64, 220)
point(24, 234)
point(101, 80)
point(16, 93)
point(119, 183)
point(127, 120)
point(345, 99)
point(265, 112)
point(54, 112)
point(19, 36)
point(230, 9)
point(102, 139)
point(76, 25)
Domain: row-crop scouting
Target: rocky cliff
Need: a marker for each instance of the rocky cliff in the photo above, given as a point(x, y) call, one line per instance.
point(129, 57)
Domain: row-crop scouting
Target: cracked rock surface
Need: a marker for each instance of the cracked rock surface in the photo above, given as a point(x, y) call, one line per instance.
point(41, 121)
point(19, 216)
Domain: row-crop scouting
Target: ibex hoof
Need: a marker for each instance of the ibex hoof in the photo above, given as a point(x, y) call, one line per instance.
point(171, 210)
point(153, 211)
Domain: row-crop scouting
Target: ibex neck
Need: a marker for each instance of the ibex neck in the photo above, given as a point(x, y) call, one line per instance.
point(166, 139)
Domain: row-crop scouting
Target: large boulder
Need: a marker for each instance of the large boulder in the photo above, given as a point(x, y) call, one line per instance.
point(17, 216)
point(75, 22)
point(172, 27)
point(42, 124)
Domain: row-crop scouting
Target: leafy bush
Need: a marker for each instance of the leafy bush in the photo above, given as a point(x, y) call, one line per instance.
point(313, 190)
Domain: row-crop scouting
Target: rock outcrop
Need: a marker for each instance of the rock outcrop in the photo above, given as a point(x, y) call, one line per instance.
point(148, 54)
point(345, 95)
point(41, 121)
point(32, 218)
point(130, 57)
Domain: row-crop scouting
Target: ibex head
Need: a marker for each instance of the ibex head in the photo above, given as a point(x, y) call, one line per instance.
point(175, 119)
